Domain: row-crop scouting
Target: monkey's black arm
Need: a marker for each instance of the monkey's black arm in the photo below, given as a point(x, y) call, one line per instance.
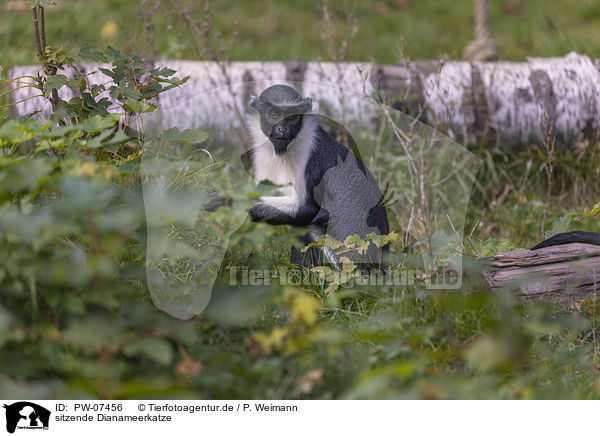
point(263, 212)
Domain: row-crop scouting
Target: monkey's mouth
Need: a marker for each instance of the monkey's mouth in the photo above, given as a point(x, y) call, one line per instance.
point(280, 144)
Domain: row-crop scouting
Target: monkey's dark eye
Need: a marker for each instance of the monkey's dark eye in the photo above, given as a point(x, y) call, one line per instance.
point(292, 117)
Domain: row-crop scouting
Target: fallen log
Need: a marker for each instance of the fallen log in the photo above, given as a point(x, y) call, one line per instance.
point(513, 104)
point(564, 271)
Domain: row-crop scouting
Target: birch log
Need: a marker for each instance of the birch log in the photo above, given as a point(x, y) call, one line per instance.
point(564, 271)
point(513, 104)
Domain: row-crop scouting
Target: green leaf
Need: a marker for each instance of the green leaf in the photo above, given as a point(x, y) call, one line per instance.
point(58, 81)
point(20, 131)
point(88, 52)
point(98, 123)
point(5, 318)
point(108, 73)
point(156, 349)
point(97, 89)
point(189, 135)
point(133, 106)
point(164, 71)
point(174, 82)
point(488, 352)
point(118, 138)
point(124, 91)
point(98, 140)
point(92, 334)
point(115, 54)
point(141, 107)
point(61, 111)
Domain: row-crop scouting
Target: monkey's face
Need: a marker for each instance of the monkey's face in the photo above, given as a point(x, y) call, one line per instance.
point(280, 126)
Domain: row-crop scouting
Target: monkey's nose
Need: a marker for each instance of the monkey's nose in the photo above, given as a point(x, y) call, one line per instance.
point(280, 131)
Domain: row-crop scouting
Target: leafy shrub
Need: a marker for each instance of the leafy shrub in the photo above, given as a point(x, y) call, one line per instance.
point(77, 320)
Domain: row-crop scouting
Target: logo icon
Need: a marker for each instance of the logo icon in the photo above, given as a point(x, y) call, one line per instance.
point(26, 415)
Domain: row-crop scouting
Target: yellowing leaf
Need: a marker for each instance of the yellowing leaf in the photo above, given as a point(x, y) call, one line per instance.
point(273, 340)
point(304, 309)
point(110, 29)
point(91, 169)
point(84, 169)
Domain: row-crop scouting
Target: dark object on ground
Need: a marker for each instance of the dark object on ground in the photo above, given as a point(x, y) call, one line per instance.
point(570, 238)
point(565, 266)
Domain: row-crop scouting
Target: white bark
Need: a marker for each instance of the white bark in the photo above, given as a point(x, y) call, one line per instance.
point(513, 103)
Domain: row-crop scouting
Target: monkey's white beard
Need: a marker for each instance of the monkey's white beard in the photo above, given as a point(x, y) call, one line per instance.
point(286, 169)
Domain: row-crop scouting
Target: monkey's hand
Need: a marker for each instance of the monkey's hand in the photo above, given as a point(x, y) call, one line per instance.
point(216, 201)
point(263, 212)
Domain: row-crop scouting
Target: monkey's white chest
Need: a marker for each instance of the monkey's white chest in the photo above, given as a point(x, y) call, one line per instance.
point(287, 170)
point(281, 170)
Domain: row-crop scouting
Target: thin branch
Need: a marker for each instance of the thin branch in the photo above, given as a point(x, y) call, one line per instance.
point(21, 101)
point(457, 235)
point(19, 87)
point(43, 29)
point(38, 41)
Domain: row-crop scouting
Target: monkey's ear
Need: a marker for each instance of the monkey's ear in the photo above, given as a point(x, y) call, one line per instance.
point(253, 101)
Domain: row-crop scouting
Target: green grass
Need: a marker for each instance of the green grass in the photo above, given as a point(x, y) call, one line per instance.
point(284, 30)
point(384, 342)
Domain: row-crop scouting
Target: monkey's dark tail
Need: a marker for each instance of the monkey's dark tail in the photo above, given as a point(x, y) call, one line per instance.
point(569, 238)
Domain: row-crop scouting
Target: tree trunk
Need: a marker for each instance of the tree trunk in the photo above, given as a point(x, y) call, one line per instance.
point(513, 104)
point(563, 271)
